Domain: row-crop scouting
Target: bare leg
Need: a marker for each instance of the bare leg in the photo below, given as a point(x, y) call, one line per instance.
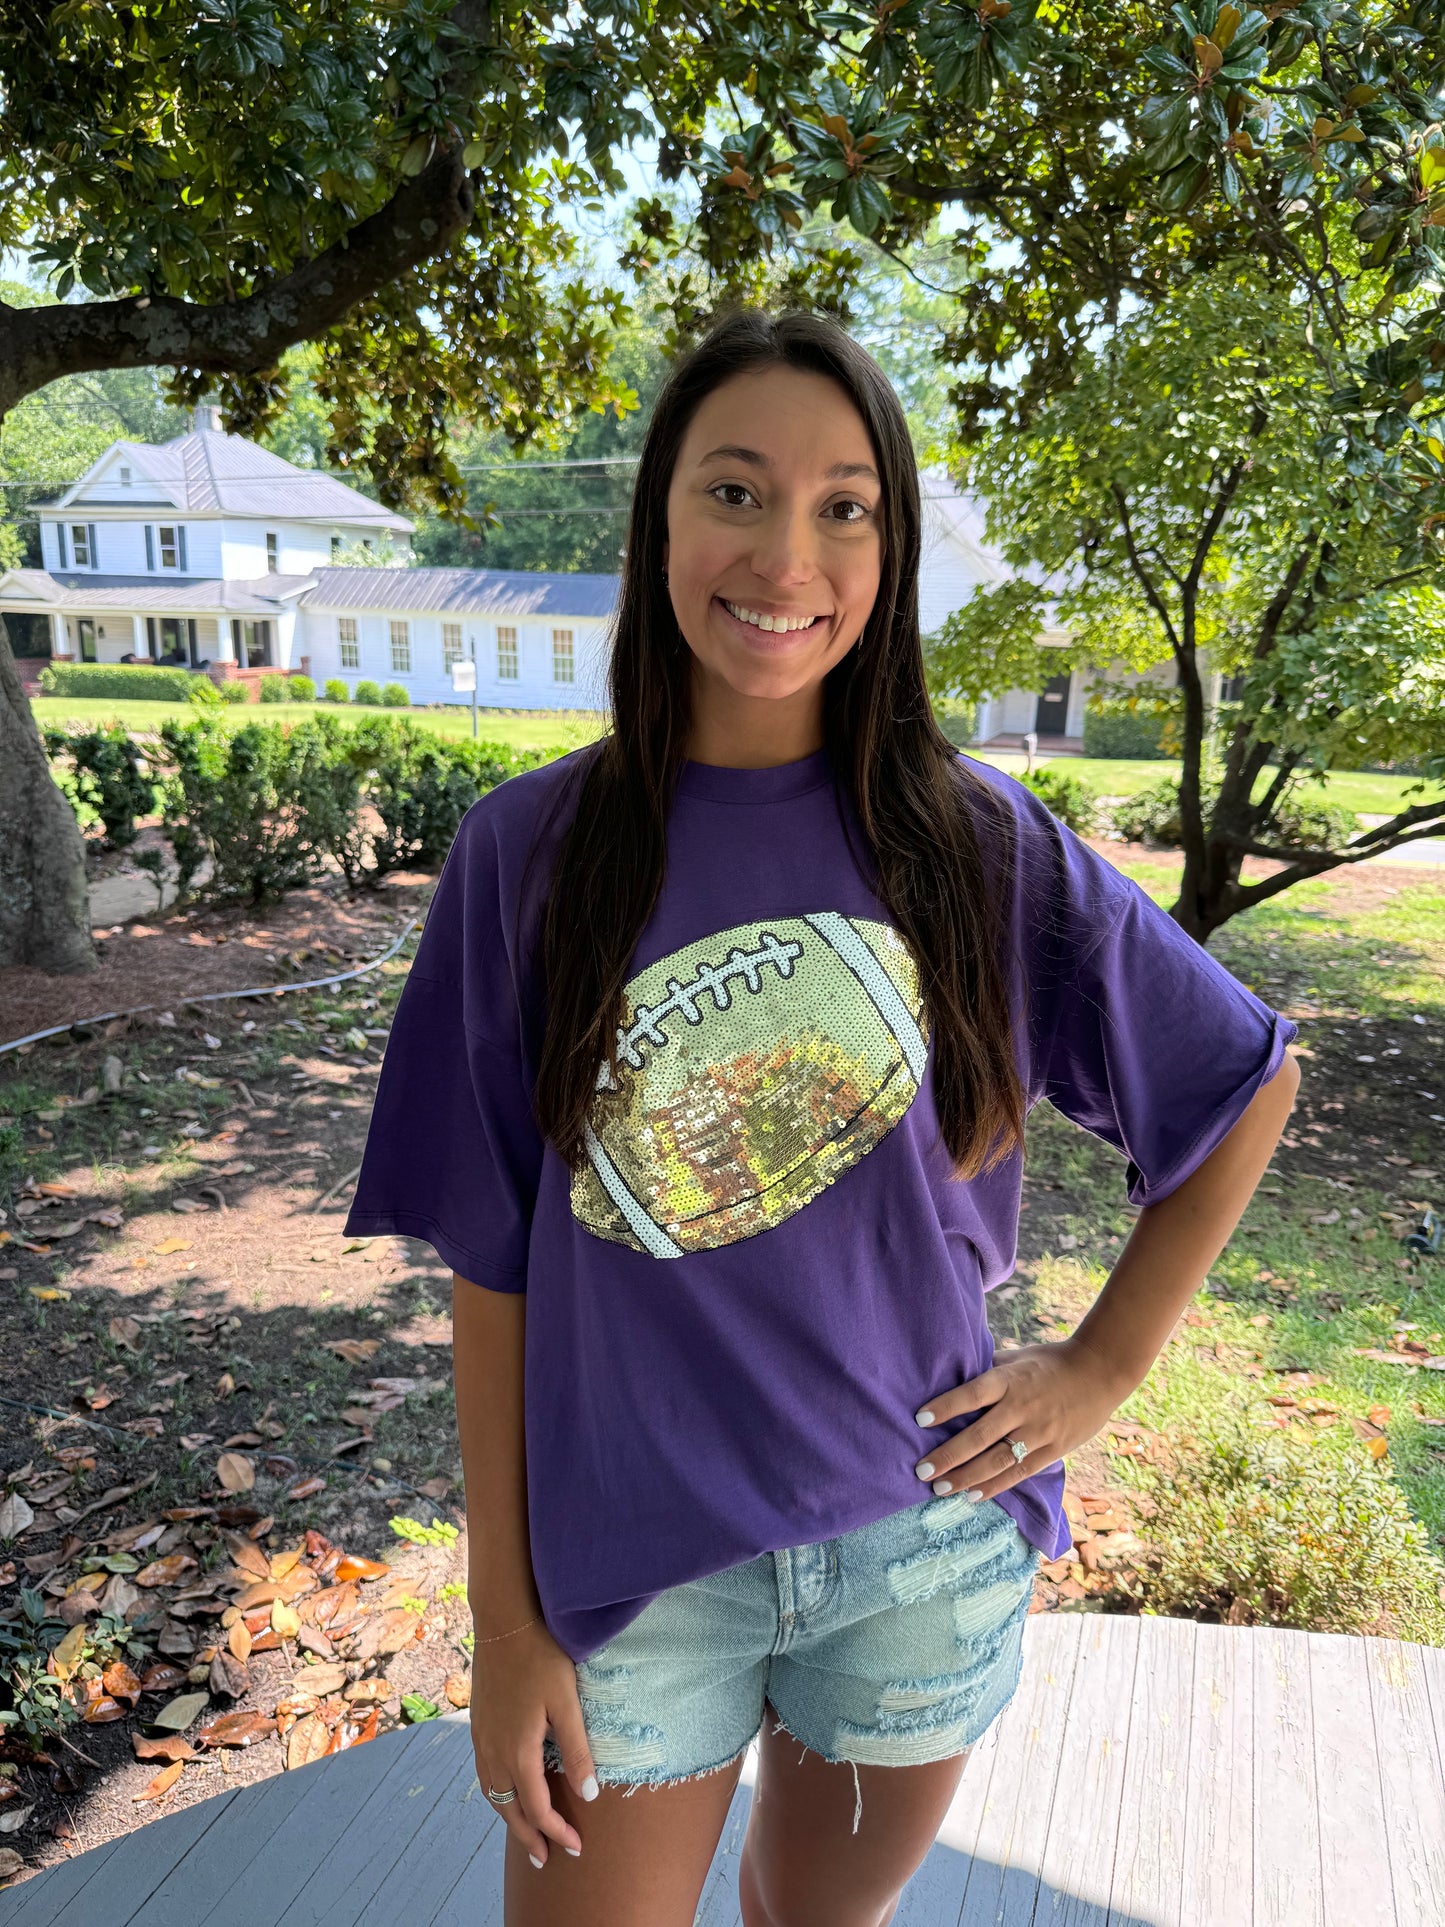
point(645, 1856)
point(802, 1864)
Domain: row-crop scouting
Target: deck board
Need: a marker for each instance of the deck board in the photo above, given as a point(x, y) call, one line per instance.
point(1148, 1773)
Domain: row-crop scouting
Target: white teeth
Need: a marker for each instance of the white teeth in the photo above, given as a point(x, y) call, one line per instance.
point(769, 624)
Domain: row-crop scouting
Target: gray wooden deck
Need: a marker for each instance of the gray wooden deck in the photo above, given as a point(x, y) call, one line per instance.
point(1148, 1773)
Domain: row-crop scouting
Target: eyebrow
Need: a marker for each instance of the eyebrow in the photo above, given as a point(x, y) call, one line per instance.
point(731, 452)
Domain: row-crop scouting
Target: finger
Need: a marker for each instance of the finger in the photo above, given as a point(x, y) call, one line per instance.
point(536, 1803)
point(571, 1736)
point(988, 1387)
point(513, 1817)
point(995, 1472)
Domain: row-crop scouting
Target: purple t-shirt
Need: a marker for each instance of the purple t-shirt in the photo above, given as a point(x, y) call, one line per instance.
point(764, 1267)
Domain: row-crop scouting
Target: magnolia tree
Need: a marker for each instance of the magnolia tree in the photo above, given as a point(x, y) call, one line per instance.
point(1187, 492)
point(212, 181)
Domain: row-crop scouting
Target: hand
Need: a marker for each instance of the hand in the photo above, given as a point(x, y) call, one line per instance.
point(1053, 1397)
point(514, 1700)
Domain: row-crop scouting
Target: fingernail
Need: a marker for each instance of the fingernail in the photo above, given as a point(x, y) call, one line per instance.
point(924, 1471)
point(924, 1418)
point(942, 1485)
point(535, 1861)
point(589, 1788)
point(576, 1852)
point(971, 1493)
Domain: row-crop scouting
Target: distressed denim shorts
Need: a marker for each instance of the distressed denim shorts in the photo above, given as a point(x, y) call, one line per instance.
point(897, 1644)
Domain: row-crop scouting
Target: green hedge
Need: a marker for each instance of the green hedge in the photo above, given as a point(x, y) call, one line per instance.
point(136, 681)
point(1121, 733)
point(270, 805)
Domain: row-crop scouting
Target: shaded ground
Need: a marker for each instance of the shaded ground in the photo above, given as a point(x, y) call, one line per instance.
point(201, 1370)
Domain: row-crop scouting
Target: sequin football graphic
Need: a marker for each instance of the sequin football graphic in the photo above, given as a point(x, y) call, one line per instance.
point(754, 1068)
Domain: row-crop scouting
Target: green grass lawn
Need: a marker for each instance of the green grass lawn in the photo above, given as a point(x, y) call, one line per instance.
point(1365, 793)
point(560, 729)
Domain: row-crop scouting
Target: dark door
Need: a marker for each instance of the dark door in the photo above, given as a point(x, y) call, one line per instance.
point(1053, 706)
point(85, 631)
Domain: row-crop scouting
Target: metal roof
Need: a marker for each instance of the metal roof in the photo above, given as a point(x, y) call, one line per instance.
point(34, 589)
point(207, 470)
point(500, 592)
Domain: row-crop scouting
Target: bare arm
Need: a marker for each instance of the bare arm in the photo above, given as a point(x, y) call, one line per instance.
point(488, 1331)
point(522, 1681)
point(1174, 1242)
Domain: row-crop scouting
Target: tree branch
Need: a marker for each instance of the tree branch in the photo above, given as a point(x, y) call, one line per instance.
point(423, 217)
point(1155, 600)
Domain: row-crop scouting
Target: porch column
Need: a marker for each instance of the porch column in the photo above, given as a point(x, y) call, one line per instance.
point(59, 636)
point(140, 647)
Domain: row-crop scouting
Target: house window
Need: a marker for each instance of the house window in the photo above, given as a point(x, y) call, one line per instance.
point(347, 643)
point(451, 644)
point(125, 478)
point(562, 661)
point(506, 655)
point(400, 649)
point(169, 543)
point(82, 545)
point(335, 547)
point(272, 559)
point(252, 642)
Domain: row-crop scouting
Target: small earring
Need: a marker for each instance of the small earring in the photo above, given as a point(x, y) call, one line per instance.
point(664, 575)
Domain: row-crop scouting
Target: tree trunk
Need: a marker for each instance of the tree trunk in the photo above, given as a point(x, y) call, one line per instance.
point(44, 902)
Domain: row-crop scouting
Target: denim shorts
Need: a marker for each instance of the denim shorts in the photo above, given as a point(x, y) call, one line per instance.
point(894, 1645)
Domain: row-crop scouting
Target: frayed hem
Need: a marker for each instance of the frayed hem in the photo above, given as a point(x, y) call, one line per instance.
point(655, 1782)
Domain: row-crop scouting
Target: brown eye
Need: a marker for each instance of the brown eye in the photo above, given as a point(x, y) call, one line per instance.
point(724, 490)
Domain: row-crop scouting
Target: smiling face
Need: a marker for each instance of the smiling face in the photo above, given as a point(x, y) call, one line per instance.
point(774, 554)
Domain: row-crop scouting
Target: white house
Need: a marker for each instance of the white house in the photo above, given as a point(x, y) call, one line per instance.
point(209, 552)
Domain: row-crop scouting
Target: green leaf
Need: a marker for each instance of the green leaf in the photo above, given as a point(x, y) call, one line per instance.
point(415, 1709)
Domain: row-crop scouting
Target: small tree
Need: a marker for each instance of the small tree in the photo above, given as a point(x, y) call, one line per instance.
point(1181, 495)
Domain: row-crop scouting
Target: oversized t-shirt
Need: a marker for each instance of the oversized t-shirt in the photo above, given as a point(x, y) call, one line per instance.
point(764, 1265)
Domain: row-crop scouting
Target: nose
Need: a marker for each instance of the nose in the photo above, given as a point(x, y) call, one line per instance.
point(784, 547)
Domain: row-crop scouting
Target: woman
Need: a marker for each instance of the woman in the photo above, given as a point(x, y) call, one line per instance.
point(713, 1066)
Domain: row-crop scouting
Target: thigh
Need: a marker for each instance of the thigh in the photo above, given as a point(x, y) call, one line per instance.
point(645, 1856)
point(804, 1865)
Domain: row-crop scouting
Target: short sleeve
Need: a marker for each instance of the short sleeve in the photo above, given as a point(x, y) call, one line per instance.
point(1156, 1048)
point(453, 1153)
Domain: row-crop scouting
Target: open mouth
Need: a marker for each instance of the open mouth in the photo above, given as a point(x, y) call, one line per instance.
point(771, 625)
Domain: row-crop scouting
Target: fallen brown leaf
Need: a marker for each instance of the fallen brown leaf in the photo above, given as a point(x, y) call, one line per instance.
point(308, 1740)
point(236, 1472)
point(170, 1747)
point(161, 1785)
point(166, 1572)
point(458, 1689)
point(236, 1729)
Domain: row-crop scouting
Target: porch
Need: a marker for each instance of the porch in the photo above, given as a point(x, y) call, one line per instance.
point(1148, 1773)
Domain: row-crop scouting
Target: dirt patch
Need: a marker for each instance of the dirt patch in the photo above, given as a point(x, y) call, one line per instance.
point(188, 953)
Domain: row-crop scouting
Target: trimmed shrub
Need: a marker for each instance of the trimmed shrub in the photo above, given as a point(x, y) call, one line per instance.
point(133, 681)
point(110, 781)
point(395, 696)
point(301, 688)
point(1072, 800)
point(1142, 734)
point(421, 786)
point(1285, 1531)
point(266, 804)
point(1299, 823)
point(273, 689)
point(368, 693)
point(336, 691)
point(233, 690)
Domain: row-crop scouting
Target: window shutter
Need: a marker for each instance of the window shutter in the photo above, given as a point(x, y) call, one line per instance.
point(150, 549)
point(60, 541)
point(181, 543)
point(94, 552)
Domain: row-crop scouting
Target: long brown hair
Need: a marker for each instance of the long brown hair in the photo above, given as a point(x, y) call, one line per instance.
point(918, 806)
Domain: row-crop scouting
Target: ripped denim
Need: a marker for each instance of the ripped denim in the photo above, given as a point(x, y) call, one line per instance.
point(895, 1645)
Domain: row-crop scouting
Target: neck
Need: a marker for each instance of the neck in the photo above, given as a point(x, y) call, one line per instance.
point(753, 732)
